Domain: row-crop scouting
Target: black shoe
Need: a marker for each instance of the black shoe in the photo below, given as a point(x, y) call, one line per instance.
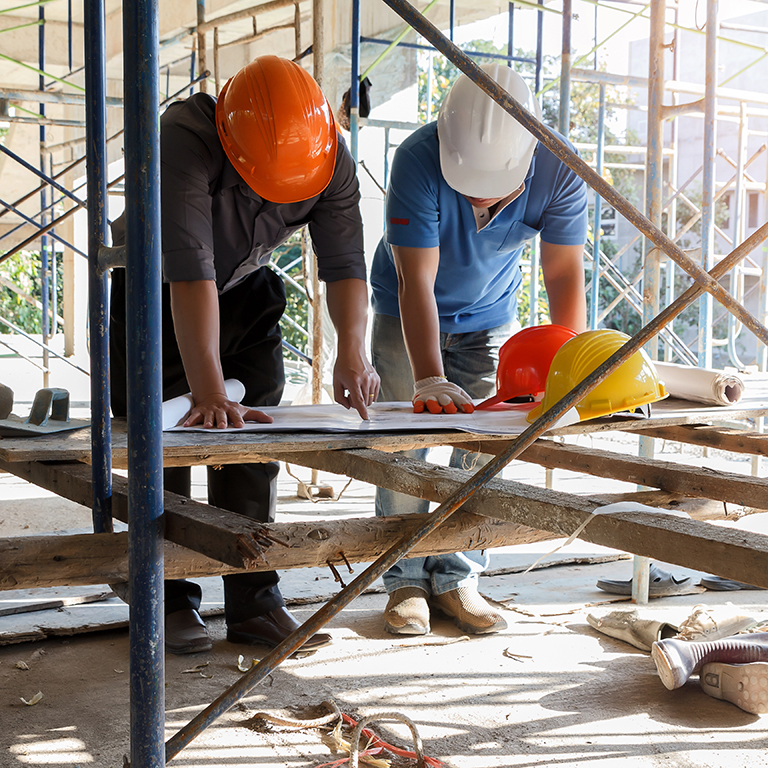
point(185, 632)
point(271, 629)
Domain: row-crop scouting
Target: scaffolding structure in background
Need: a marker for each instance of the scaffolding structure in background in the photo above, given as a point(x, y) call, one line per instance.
point(638, 291)
point(141, 259)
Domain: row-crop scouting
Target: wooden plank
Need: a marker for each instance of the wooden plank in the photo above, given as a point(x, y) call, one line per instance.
point(81, 559)
point(668, 476)
point(217, 533)
point(195, 448)
point(722, 438)
point(735, 554)
point(54, 560)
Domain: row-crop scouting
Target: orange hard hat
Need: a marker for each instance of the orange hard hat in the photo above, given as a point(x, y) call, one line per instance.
point(278, 130)
point(524, 361)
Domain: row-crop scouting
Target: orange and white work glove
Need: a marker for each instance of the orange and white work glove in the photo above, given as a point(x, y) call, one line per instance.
point(438, 395)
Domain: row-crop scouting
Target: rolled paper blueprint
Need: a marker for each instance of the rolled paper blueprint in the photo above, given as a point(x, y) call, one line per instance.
point(703, 385)
point(177, 408)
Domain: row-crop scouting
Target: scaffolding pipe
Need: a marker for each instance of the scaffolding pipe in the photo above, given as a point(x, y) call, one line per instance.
point(564, 122)
point(593, 307)
point(202, 56)
point(98, 301)
point(354, 88)
point(53, 97)
point(708, 184)
point(144, 362)
point(737, 221)
point(575, 163)
point(30, 220)
point(44, 264)
point(654, 166)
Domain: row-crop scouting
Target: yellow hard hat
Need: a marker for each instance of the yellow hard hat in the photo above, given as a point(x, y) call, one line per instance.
point(633, 384)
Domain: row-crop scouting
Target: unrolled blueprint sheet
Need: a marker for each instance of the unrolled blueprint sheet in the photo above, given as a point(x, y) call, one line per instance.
point(503, 419)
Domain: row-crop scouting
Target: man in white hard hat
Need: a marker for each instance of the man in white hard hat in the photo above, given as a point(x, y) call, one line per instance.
point(465, 195)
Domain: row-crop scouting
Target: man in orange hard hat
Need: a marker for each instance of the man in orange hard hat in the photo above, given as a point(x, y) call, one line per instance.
point(239, 175)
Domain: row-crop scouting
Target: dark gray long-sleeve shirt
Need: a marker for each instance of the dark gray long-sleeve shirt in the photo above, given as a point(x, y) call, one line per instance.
point(215, 227)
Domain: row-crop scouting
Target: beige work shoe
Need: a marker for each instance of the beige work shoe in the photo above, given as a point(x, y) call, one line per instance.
point(407, 612)
point(706, 623)
point(469, 610)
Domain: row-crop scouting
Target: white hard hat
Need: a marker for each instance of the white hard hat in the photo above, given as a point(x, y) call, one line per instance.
point(484, 151)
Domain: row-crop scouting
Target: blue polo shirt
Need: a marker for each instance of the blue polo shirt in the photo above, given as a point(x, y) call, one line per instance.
point(479, 272)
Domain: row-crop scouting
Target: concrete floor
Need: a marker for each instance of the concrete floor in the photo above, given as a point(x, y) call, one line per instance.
point(549, 690)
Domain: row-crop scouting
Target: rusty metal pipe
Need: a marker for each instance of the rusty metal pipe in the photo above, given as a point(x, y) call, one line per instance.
point(575, 163)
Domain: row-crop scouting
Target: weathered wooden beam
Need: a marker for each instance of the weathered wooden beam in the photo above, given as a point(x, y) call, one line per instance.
point(219, 534)
point(727, 552)
point(80, 559)
point(722, 438)
point(54, 560)
point(666, 475)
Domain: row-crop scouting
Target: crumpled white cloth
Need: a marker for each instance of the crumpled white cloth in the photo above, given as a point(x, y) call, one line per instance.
point(702, 385)
point(175, 409)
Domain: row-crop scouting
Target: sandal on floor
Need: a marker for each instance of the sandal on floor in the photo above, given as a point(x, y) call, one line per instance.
point(719, 584)
point(660, 584)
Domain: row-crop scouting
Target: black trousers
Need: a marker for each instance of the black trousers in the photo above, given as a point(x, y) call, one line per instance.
point(251, 352)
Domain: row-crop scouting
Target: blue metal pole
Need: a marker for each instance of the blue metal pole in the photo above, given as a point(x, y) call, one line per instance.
point(708, 183)
point(510, 32)
point(98, 314)
point(565, 71)
point(533, 291)
point(354, 92)
point(69, 34)
point(452, 20)
point(539, 46)
point(144, 364)
point(593, 307)
point(44, 282)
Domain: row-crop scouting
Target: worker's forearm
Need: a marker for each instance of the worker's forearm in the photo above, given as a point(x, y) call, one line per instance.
point(347, 302)
point(195, 307)
point(421, 331)
point(568, 305)
point(563, 269)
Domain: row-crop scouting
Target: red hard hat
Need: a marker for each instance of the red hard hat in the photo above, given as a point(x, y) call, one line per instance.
point(524, 362)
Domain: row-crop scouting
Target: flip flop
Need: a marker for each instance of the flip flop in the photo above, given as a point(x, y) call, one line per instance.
point(660, 584)
point(719, 584)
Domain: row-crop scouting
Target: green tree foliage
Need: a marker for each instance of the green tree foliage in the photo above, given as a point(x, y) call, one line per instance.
point(288, 258)
point(23, 270)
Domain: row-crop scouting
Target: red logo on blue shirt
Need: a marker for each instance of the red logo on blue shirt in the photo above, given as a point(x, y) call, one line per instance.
point(404, 222)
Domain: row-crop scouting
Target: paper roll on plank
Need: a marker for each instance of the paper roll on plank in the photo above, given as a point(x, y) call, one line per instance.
point(177, 408)
point(702, 385)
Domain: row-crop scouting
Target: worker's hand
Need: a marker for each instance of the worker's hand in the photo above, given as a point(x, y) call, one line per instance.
point(438, 395)
point(355, 382)
point(219, 412)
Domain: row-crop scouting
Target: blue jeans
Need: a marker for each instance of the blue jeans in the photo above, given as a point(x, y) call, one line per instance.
point(470, 361)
